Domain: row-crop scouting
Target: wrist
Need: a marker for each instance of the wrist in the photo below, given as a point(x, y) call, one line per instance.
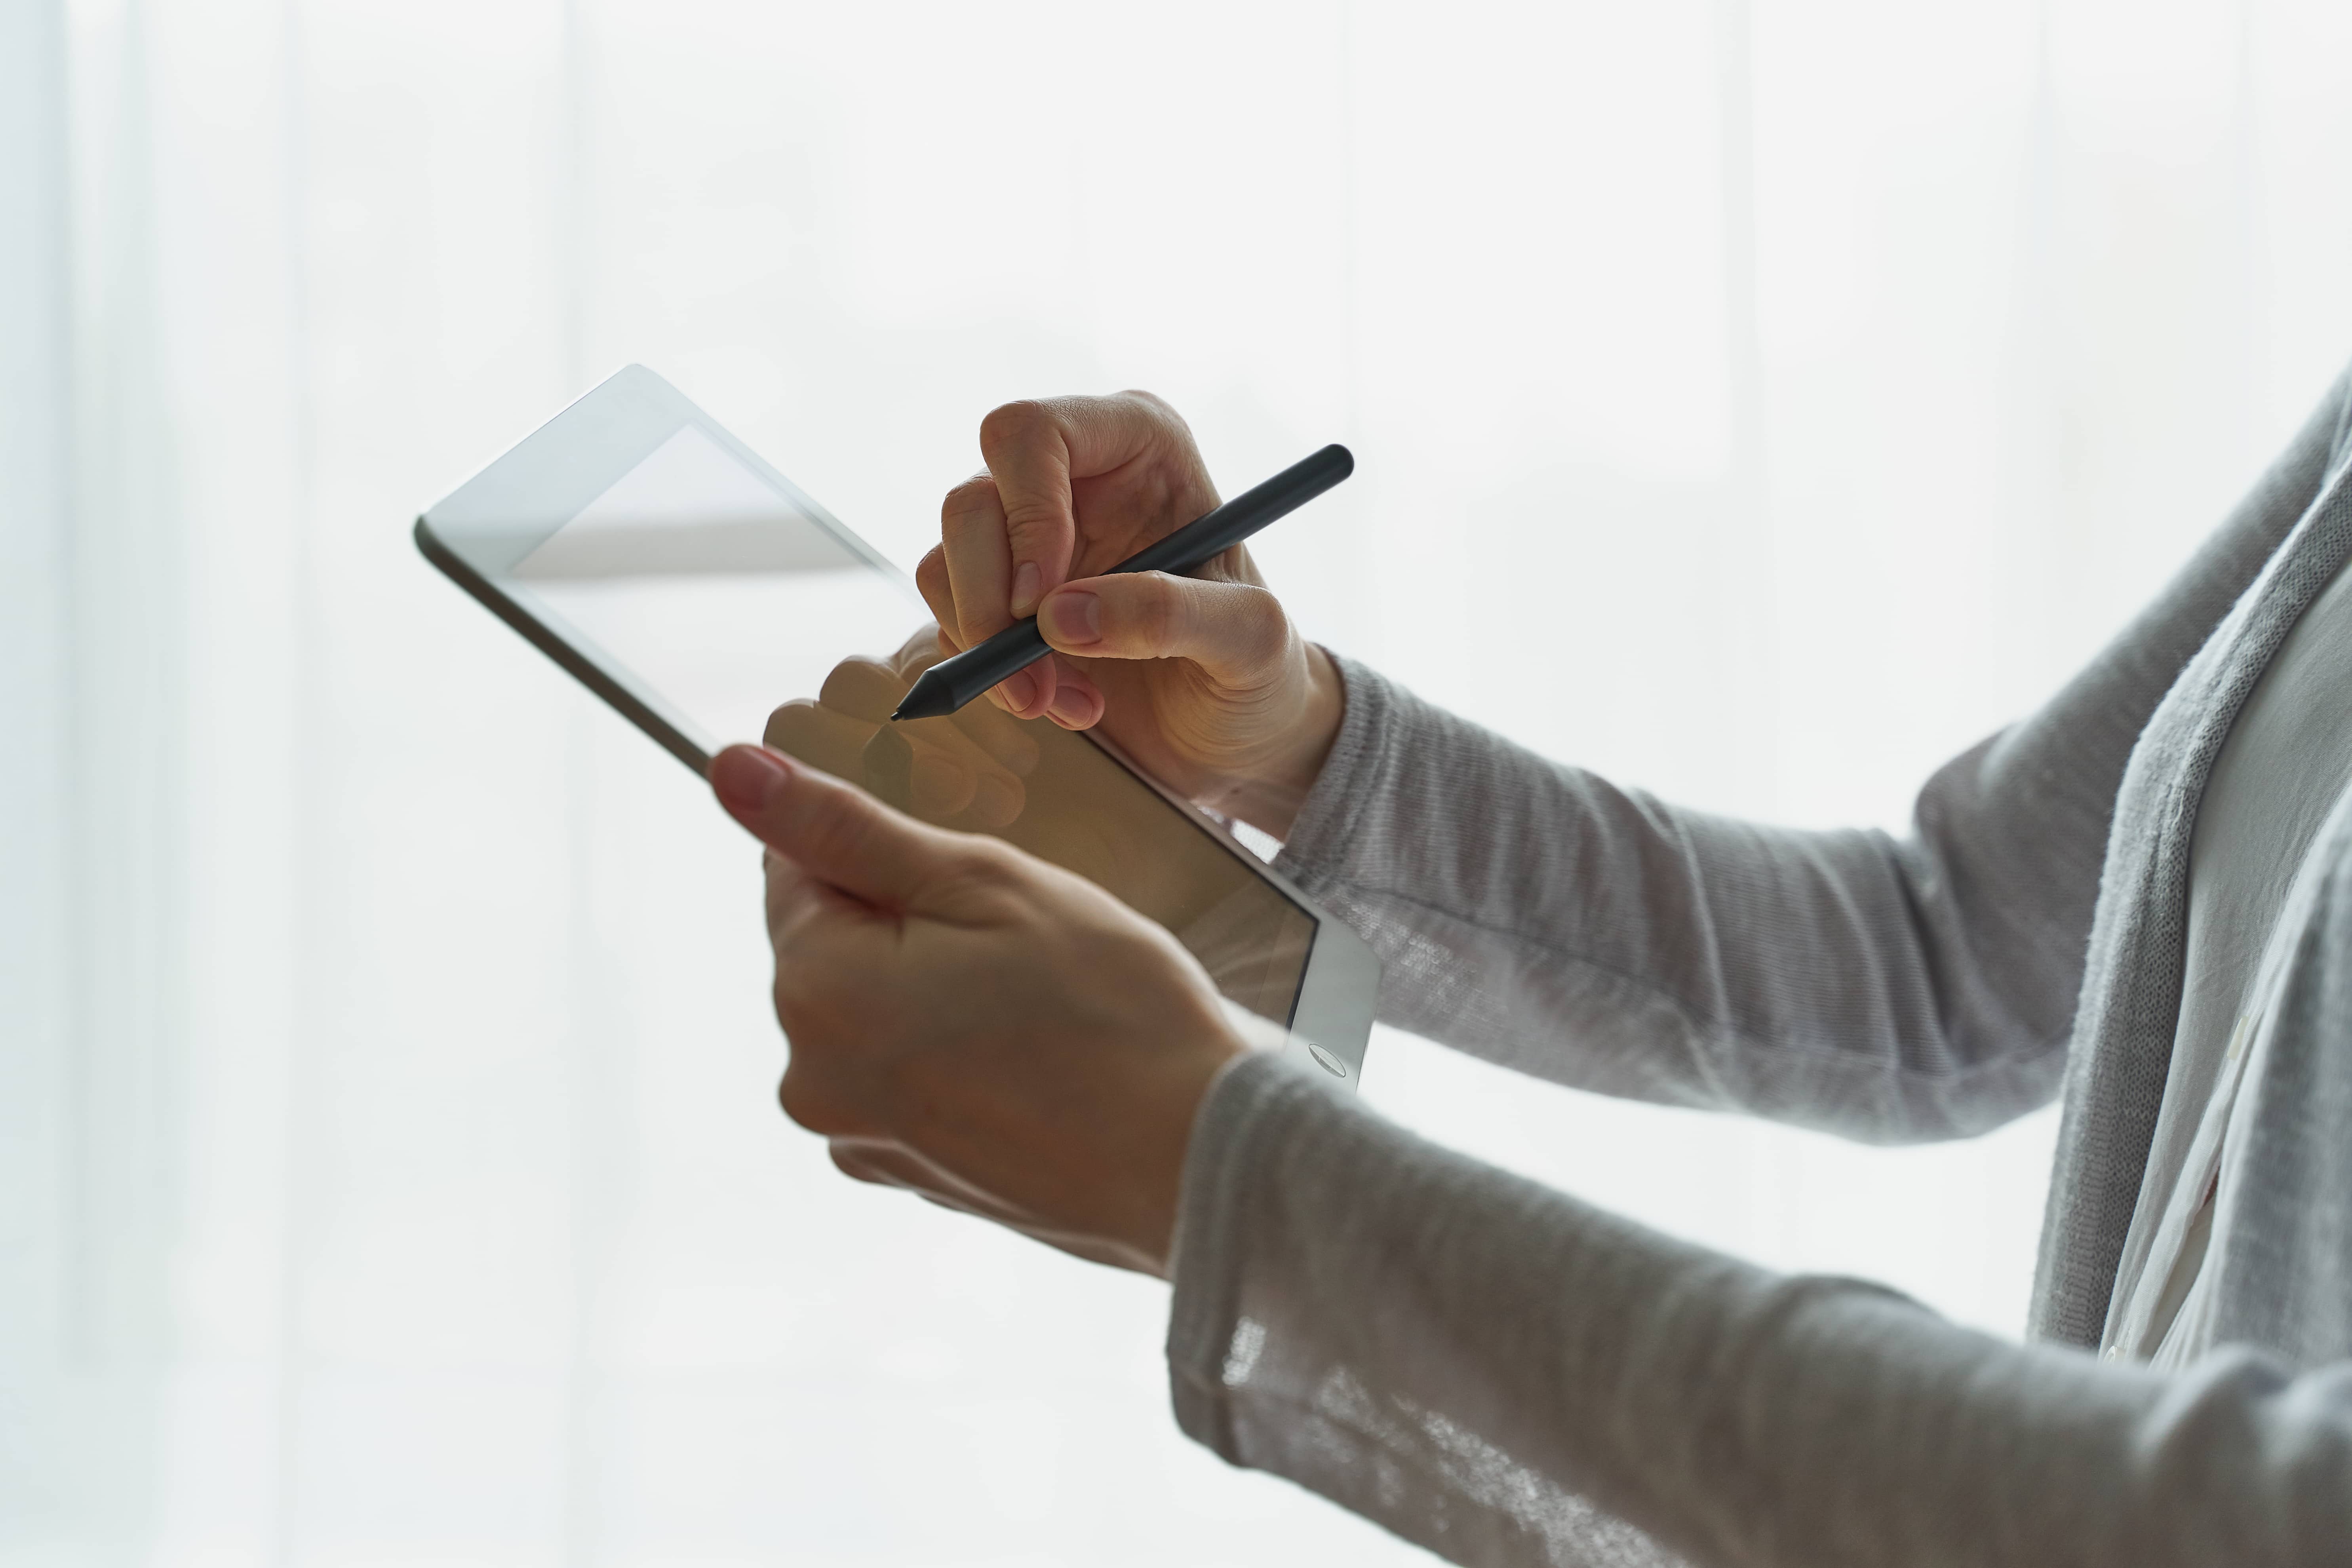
point(1182, 1092)
point(1270, 800)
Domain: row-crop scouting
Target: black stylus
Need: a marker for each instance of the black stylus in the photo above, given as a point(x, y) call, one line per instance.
point(952, 682)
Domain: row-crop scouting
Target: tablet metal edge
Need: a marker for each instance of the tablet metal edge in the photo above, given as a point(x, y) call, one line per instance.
point(579, 668)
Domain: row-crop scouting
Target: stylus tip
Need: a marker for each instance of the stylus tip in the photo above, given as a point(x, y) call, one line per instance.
point(930, 697)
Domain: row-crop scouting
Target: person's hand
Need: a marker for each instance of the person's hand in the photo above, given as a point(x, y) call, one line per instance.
point(961, 770)
point(1201, 679)
point(969, 1022)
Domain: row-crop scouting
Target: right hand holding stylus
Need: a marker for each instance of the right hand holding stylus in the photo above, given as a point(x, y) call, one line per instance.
point(1204, 680)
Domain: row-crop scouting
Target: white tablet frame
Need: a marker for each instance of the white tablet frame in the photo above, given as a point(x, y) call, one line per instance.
point(502, 513)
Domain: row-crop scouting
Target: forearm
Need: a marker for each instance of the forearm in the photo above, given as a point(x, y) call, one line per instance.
point(1540, 916)
point(1496, 1370)
point(1884, 988)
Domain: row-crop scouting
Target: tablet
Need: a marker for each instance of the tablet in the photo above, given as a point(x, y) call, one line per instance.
point(691, 586)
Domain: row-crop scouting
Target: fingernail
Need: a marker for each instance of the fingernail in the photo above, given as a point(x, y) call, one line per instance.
point(1072, 619)
point(1072, 708)
point(748, 777)
point(1020, 689)
point(1025, 588)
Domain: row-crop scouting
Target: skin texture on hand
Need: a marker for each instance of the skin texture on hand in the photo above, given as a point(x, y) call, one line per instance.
point(1202, 679)
point(965, 1021)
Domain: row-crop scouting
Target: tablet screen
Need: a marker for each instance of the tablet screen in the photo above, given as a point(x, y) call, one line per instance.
point(748, 616)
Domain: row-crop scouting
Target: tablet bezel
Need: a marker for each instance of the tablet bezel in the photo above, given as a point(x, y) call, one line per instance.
point(500, 515)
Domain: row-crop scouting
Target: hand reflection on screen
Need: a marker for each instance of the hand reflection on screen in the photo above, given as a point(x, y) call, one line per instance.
point(1052, 792)
point(964, 769)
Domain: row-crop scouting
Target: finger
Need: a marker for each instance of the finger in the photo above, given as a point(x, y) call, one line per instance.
point(1027, 692)
point(996, 801)
point(974, 538)
point(890, 1163)
point(1078, 702)
point(819, 736)
point(988, 724)
point(939, 785)
point(864, 688)
point(944, 735)
point(929, 766)
point(1037, 450)
point(1235, 631)
point(939, 775)
point(976, 552)
point(1000, 735)
point(881, 1161)
point(886, 767)
point(948, 771)
point(836, 834)
point(939, 594)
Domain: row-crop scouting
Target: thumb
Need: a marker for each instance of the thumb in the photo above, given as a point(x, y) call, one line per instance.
point(835, 833)
point(1235, 631)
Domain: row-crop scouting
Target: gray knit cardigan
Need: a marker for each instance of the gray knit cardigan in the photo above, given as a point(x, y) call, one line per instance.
point(1509, 1375)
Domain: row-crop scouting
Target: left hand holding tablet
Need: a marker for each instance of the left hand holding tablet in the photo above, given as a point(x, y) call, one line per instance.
point(996, 1033)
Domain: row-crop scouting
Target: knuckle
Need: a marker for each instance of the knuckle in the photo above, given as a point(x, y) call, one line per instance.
point(1035, 541)
point(1026, 520)
point(1011, 874)
point(1159, 609)
point(779, 721)
point(981, 865)
point(1016, 424)
point(968, 509)
point(1259, 619)
point(933, 566)
point(1158, 406)
point(931, 575)
point(972, 494)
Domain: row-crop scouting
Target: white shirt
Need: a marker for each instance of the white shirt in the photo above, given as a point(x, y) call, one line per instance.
point(2279, 775)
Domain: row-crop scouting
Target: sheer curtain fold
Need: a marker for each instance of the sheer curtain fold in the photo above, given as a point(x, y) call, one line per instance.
point(35, 817)
point(388, 1166)
point(95, 822)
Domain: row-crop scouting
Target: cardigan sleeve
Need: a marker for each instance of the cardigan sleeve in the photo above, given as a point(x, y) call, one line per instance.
point(1509, 1376)
point(1888, 988)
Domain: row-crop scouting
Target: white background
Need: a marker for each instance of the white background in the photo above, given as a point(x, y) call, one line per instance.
point(1756, 404)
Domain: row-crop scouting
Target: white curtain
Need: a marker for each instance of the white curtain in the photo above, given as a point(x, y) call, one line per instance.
point(388, 1169)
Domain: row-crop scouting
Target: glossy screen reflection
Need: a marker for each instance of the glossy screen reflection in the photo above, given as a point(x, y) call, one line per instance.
point(703, 585)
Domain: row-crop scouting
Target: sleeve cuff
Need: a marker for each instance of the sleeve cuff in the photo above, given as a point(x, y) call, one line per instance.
point(1247, 1103)
point(1330, 817)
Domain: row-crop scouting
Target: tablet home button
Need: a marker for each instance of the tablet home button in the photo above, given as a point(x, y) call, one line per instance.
point(1326, 1060)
